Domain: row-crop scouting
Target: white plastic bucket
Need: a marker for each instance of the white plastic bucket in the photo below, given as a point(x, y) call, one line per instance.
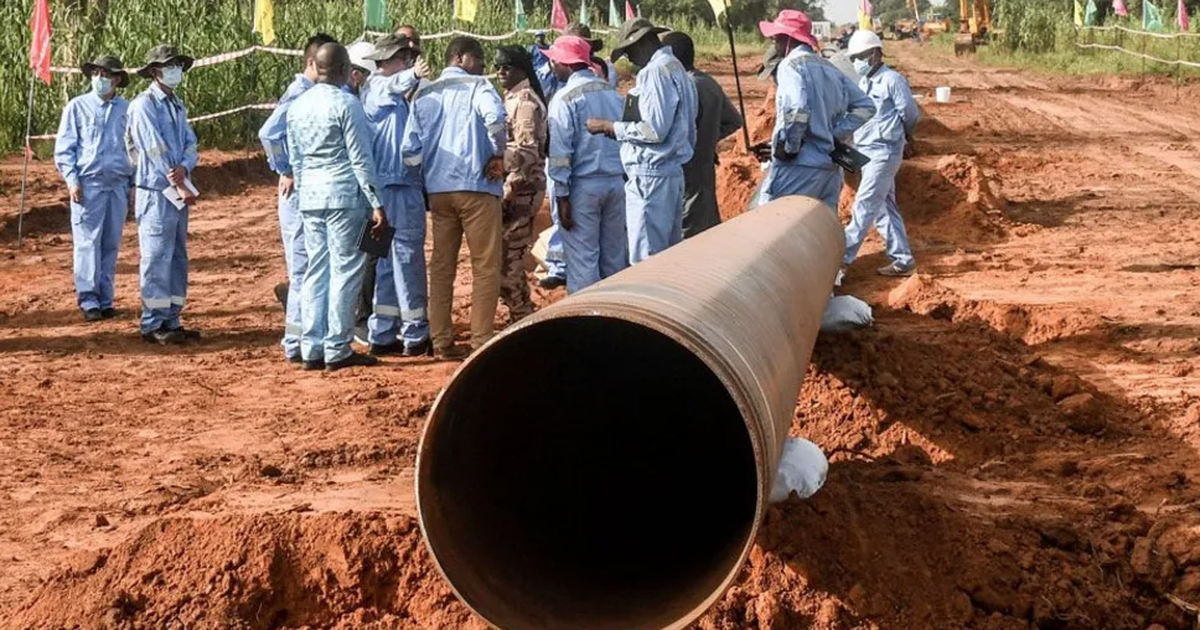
point(942, 94)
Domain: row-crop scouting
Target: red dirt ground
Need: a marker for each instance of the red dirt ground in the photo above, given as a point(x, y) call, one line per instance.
point(1014, 444)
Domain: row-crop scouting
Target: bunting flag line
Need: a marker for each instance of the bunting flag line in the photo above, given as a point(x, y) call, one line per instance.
point(1185, 22)
point(629, 14)
point(520, 22)
point(614, 16)
point(1089, 13)
point(558, 16)
point(39, 41)
point(1151, 17)
point(1078, 13)
point(264, 21)
point(375, 14)
point(1120, 9)
point(583, 14)
point(465, 10)
point(865, 10)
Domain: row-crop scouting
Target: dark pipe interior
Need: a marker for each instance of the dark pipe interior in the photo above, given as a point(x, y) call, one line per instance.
point(587, 473)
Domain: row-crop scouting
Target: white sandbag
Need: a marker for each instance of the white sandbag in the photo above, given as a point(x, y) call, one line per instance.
point(846, 312)
point(802, 469)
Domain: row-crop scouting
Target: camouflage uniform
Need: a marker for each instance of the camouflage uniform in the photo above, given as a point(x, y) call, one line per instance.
point(524, 189)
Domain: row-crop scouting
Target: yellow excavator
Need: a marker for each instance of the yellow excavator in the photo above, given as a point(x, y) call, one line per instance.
point(975, 23)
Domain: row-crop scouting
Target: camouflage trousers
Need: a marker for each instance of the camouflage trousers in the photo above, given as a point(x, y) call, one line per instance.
point(519, 211)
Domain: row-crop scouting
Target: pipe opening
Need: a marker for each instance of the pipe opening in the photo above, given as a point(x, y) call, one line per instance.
point(587, 473)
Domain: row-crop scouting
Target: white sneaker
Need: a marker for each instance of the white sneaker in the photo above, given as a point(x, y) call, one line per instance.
point(841, 275)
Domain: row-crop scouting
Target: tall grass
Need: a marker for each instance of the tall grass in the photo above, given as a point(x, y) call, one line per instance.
point(129, 28)
point(1042, 35)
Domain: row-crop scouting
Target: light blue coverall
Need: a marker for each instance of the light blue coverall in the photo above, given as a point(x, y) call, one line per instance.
point(158, 138)
point(815, 103)
point(329, 142)
point(654, 151)
point(401, 292)
point(273, 136)
point(586, 169)
point(90, 154)
point(882, 139)
point(555, 263)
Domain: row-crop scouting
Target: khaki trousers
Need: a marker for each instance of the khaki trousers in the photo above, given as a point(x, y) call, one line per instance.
point(478, 216)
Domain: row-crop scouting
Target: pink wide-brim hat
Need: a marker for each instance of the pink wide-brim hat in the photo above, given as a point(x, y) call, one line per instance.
point(570, 50)
point(794, 24)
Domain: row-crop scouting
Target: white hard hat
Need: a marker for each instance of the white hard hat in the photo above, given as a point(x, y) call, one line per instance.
point(863, 40)
point(358, 52)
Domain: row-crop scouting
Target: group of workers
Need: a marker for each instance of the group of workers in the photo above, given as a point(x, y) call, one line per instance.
point(366, 143)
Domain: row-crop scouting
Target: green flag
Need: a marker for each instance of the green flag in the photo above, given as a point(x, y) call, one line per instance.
point(1089, 14)
point(520, 22)
point(375, 14)
point(1078, 13)
point(583, 13)
point(1151, 17)
point(614, 16)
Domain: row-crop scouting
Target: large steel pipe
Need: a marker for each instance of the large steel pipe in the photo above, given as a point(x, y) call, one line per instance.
point(605, 464)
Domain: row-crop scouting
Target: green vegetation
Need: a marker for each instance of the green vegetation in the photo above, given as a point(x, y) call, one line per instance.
point(129, 28)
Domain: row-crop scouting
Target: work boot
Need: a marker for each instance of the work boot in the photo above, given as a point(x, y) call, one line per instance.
point(384, 349)
point(295, 358)
point(425, 348)
point(362, 335)
point(164, 337)
point(109, 313)
point(92, 315)
point(281, 293)
point(550, 283)
point(896, 270)
point(188, 334)
point(451, 353)
point(353, 360)
point(315, 364)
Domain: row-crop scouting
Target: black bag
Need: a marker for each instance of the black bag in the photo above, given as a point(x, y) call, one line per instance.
point(848, 157)
point(379, 247)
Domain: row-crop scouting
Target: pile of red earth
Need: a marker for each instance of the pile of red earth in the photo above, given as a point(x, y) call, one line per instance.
point(973, 486)
point(944, 199)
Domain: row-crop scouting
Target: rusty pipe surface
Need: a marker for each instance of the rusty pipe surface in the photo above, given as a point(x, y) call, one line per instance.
point(605, 463)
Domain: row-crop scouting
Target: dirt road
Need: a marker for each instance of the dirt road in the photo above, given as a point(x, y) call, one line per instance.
point(1015, 443)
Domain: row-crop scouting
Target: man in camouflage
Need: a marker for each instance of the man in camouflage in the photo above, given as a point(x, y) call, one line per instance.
point(525, 172)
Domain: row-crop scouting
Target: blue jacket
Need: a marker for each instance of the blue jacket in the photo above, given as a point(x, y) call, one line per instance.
point(815, 103)
point(90, 149)
point(575, 153)
point(273, 133)
point(456, 126)
point(159, 138)
point(329, 142)
point(896, 114)
point(666, 136)
point(387, 112)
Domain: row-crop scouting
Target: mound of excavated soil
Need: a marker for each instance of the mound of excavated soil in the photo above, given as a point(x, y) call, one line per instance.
point(1032, 324)
point(267, 571)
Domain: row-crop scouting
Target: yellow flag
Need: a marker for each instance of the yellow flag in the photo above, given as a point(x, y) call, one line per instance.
point(465, 10)
point(718, 7)
point(264, 21)
point(864, 21)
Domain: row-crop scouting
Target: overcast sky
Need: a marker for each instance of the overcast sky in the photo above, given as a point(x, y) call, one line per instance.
point(843, 11)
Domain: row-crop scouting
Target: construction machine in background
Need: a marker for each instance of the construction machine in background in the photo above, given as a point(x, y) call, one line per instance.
point(974, 26)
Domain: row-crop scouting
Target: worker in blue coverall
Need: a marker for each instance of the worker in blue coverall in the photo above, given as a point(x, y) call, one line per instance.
point(399, 323)
point(273, 136)
point(815, 104)
point(658, 136)
point(885, 139)
point(90, 154)
point(162, 146)
point(329, 143)
point(585, 169)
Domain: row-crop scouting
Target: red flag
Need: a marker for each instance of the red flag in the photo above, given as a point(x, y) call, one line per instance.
point(558, 16)
point(39, 43)
point(1185, 23)
point(629, 13)
point(1119, 8)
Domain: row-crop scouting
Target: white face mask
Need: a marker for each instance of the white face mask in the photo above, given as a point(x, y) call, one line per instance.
point(172, 76)
point(102, 86)
point(862, 67)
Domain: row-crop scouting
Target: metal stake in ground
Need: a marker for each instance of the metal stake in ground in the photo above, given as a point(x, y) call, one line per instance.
point(737, 79)
point(28, 155)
